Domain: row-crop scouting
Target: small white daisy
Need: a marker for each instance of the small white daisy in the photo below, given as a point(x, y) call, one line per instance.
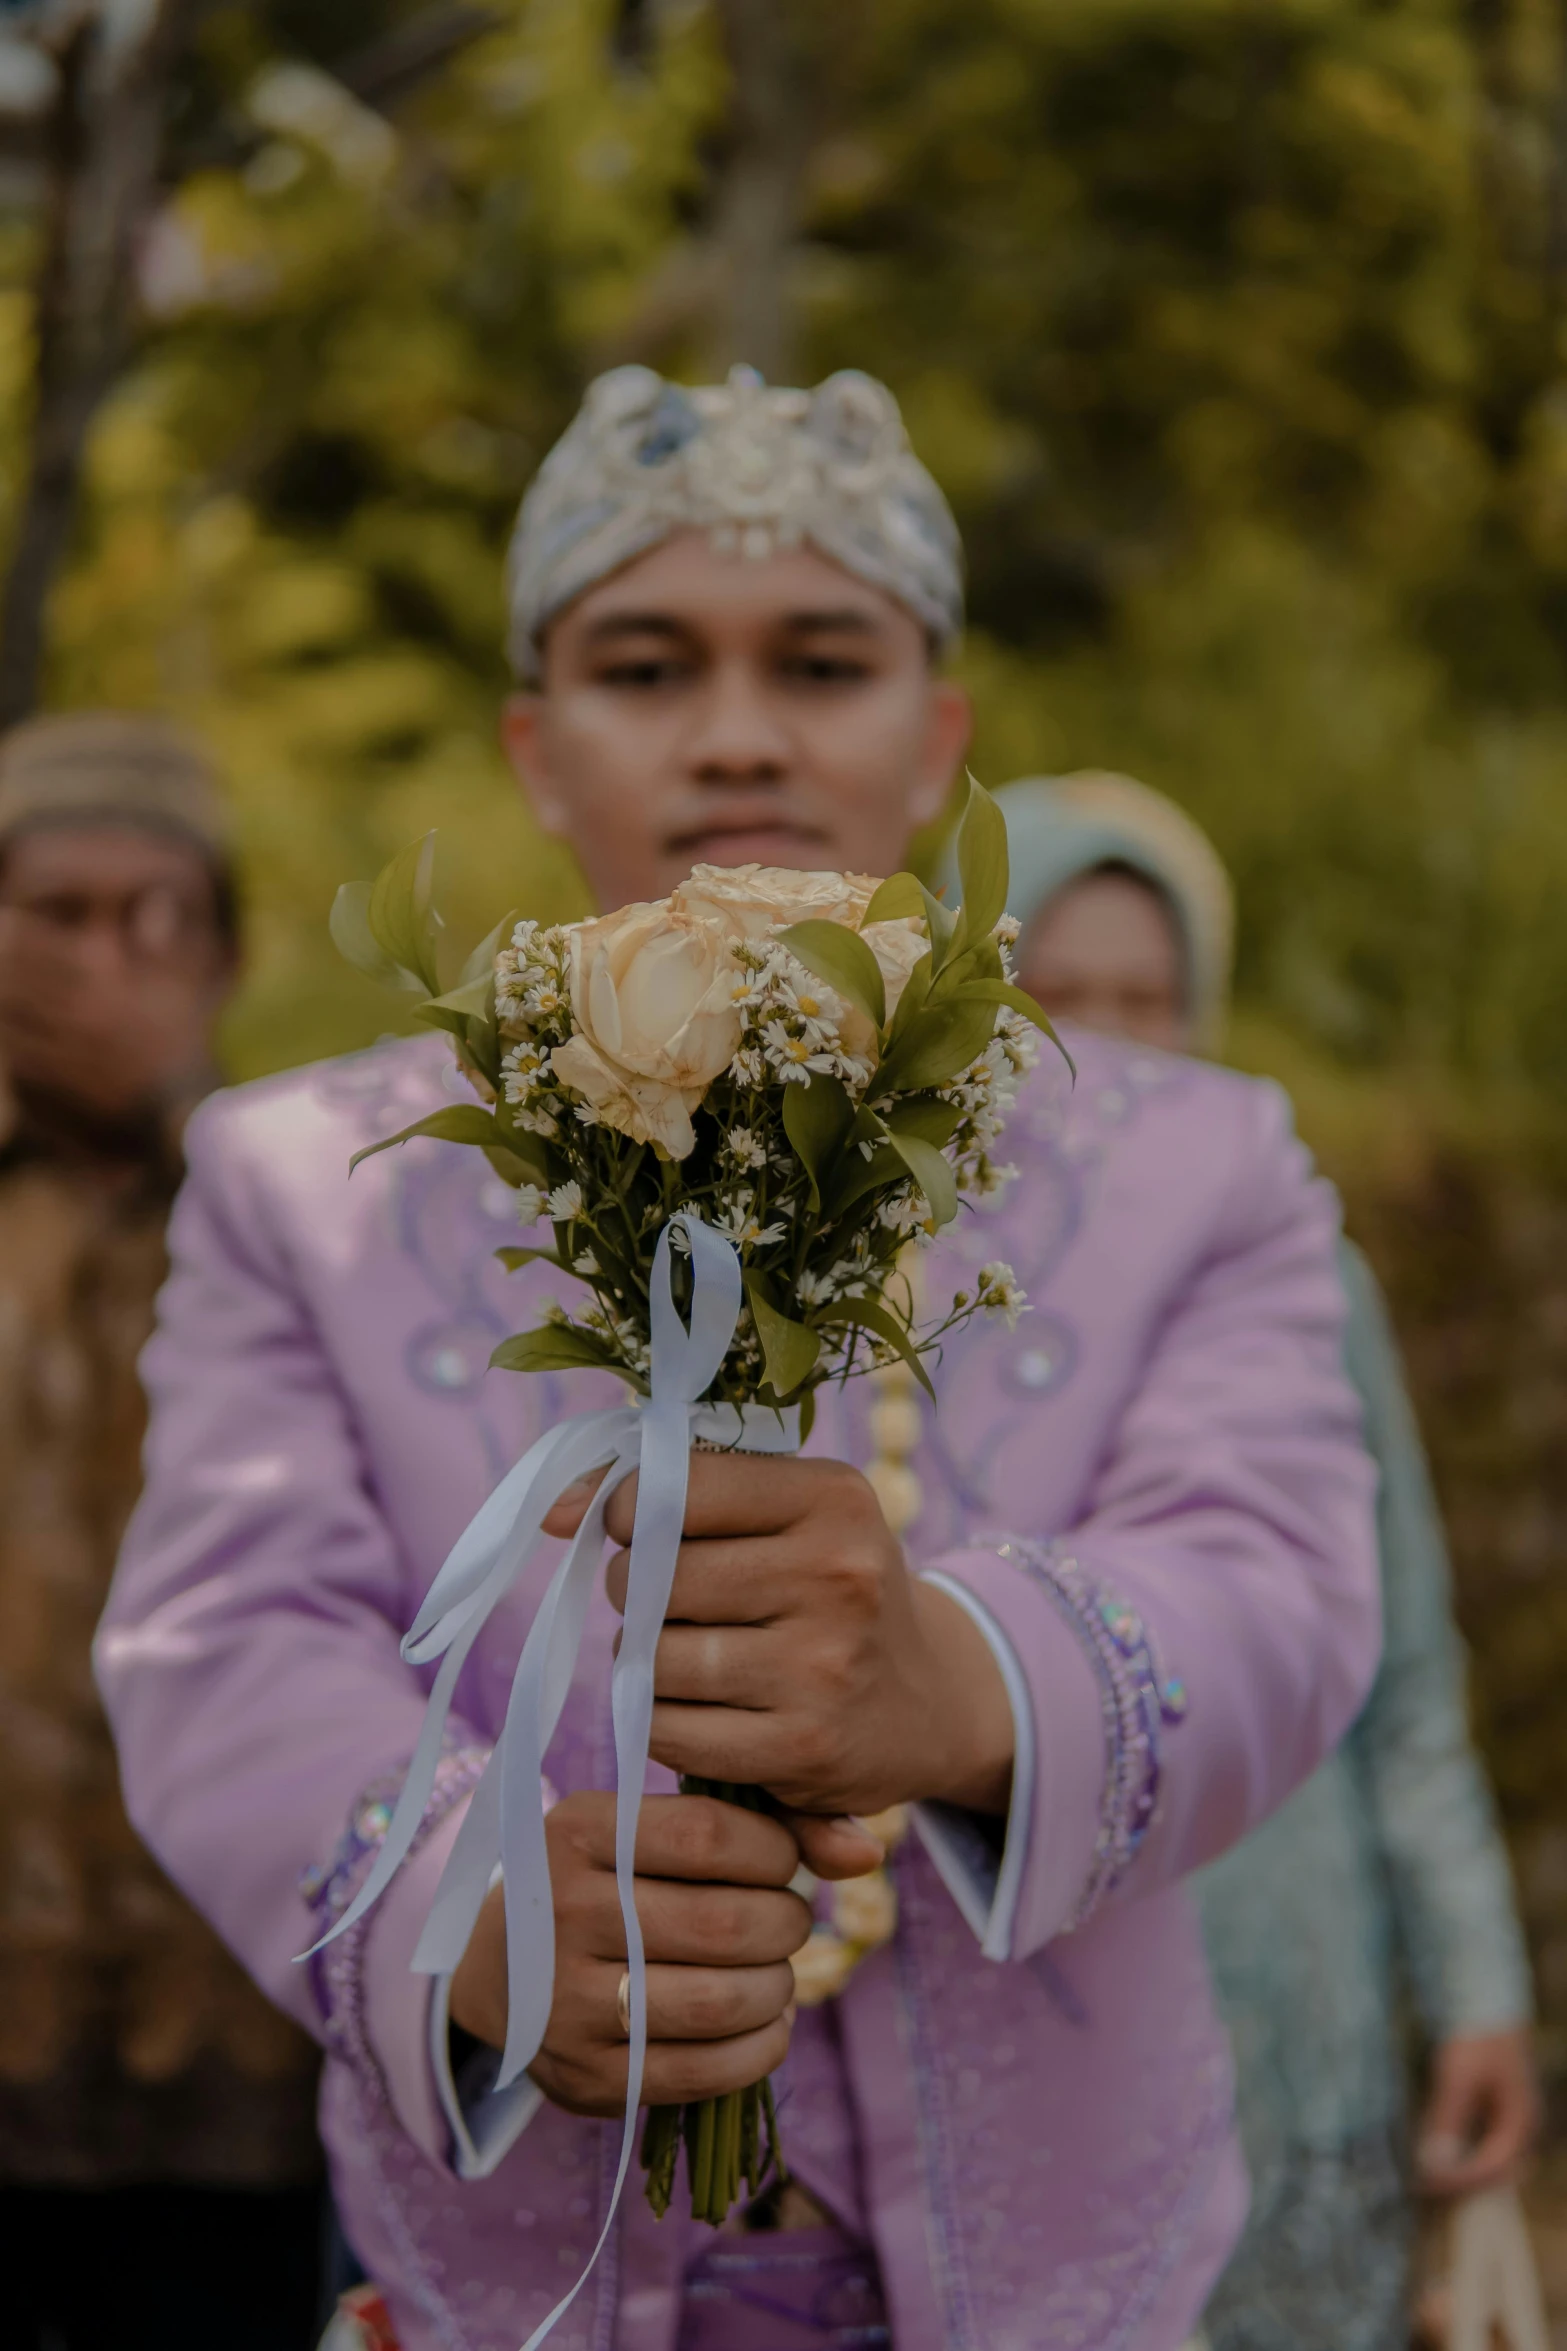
point(1001, 1293)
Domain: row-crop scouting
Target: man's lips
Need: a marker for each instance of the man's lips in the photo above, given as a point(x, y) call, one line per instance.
point(758, 842)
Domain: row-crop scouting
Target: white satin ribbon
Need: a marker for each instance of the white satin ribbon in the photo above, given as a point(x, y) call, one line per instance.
point(505, 1819)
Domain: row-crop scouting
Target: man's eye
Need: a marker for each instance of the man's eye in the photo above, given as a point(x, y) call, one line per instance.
point(826, 669)
point(656, 670)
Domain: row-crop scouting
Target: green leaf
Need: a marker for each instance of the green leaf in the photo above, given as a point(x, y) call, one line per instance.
point(518, 1158)
point(917, 1114)
point(932, 1173)
point(789, 1350)
point(460, 1122)
point(434, 1016)
point(560, 1346)
point(842, 959)
point(401, 914)
point(856, 1176)
point(945, 930)
point(467, 1011)
point(480, 964)
point(469, 1000)
point(483, 1045)
point(817, 1118)
point(515, 1259)
point(1003, 992)
point(349, 924)
point(871, 1317)
point(936, 1048)
point(982, 864)
point(899, 896)
point(980, 960)
point(915, 996)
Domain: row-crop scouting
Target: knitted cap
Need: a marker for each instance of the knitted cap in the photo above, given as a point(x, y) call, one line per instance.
point(112, 764)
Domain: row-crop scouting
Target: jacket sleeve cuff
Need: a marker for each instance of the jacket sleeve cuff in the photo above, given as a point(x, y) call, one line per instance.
point(1098, 1707)
point(980, 1861)
point(483, 2123)
point(375, 2011)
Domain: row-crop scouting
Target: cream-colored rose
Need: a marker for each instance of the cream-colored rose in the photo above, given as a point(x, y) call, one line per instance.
point(897, 947)
point(751, 900)
point(652, 1003)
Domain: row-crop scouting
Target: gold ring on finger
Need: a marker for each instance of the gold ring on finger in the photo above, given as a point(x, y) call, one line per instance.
point(623, 2001)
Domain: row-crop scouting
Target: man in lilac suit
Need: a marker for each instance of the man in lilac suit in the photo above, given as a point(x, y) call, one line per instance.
point(1137, 1607)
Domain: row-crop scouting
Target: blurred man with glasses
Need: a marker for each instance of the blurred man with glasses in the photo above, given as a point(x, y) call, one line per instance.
point(157, 2133)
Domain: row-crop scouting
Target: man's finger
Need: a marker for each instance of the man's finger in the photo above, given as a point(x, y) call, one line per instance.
point(695, 1839)
point(679, 2071)
point(694, 2003)
point(741, 1581)
point(717, 1665)
point(753, 1749)
point(568, 1513)
point(723, 1580)
point(692, 1925)
point(835, 1845)
point(742, 1494)
point(675, 2072)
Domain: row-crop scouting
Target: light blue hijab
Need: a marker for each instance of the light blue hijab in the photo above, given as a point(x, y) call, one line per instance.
point(1060, 828)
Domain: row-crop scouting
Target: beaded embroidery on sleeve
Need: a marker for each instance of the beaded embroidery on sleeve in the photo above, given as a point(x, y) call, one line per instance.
point(1137, 1704)
point(328, 1888)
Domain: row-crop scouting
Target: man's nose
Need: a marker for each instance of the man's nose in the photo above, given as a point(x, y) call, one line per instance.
point(738, 737)
point(103, 946)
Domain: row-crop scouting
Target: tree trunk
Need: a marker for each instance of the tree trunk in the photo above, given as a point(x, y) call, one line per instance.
point(1556, 215)
point(757, 215)
point(105, 142)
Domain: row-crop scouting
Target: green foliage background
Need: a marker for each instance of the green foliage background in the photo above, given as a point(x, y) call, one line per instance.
point(1234, 329)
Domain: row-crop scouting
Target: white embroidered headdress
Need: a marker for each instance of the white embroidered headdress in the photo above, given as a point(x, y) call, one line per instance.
point(761, 468)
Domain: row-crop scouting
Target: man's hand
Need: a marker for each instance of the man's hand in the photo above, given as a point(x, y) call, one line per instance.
point(718, 1925)
point(801, 1656)
point(1482, 2115)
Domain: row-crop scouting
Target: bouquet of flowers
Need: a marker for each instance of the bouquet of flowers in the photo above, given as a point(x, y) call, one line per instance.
point(809, 1070)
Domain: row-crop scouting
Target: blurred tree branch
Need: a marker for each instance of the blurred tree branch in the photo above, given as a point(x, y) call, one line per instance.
point(107, 166)
point(756, 216)
point(103, 143)
point(727, 289)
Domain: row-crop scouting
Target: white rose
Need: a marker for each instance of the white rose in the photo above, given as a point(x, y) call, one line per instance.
point(752, 900)
point(897, 947)
point(652, 1003)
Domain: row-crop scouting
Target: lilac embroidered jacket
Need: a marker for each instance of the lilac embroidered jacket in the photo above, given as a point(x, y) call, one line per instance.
point(1154, 1493)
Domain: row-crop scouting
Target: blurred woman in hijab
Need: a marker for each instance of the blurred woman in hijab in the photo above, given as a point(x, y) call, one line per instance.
point(1385, 1874)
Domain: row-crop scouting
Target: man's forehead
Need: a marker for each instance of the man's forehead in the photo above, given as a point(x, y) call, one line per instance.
point(688, 584)
point(94, 851)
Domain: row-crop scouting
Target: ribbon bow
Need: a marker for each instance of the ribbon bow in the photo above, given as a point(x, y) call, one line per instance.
point(504, 1823)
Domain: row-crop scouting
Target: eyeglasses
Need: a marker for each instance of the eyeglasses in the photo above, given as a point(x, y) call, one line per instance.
point(161, 923)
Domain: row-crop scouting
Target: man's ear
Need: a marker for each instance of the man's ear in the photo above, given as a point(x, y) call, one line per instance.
point(525, 738)
point(948, 727)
